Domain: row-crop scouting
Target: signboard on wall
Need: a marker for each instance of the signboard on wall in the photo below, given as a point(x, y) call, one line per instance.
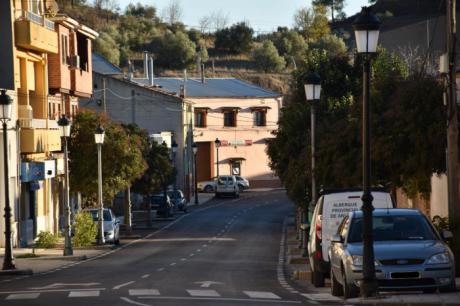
point(236, 143)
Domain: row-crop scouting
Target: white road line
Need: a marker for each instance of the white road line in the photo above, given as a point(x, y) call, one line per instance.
point(199, 250)
point(50, 290)
point(191, 255)
point(261, 295)
point(76, 294)
point(183, 259)
point(160, 269)
point(205, 293)
point(172, 264)
point(265, 301)
point(145, 275)
point(22, 296)
point(140, 292)
point(204, 245)
point(123, 285)
point(133, 302)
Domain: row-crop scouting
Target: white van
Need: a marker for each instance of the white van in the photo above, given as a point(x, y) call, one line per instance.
point(227, 185)
point(331, 208)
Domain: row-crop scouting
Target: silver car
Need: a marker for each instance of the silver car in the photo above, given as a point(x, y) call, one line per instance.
point(409, 253)
point(111, 224)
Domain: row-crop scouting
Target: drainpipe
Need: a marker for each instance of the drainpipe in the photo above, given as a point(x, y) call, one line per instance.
point(151, 71)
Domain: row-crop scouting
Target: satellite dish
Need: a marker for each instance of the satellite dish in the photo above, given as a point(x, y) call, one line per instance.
point(51, 8)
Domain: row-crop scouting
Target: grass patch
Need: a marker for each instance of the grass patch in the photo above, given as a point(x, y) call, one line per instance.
point(27, 255)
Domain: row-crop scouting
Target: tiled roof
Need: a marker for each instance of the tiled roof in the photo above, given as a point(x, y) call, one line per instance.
point(212, 87)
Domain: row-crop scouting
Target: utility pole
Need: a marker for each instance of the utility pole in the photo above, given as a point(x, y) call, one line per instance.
point(452, 130)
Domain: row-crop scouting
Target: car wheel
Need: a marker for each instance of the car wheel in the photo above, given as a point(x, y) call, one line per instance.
point(208, 189)
point(349, 290)
point(336, 287)
point(241, 187)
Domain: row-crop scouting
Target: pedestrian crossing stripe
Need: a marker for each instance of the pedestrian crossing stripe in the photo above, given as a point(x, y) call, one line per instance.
point(22, 296)
point(139, 292)
point(261, 295)
point(203, 293)
point(75, 294)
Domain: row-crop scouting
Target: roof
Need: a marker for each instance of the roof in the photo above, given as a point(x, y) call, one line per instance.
point(103, 66)
point(213, 87)
point(391, 212)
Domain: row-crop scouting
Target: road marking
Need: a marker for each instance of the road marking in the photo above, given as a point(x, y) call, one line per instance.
point(204, 245)
point(145, 275)
point(206, 293)
point(160, 269)
point(57, 285)
point(22, 296)
point(207, 284)
point(123, 285)
point(183, 259)
point(133, 302)
point(172, 264)
point(199, 250)
point(50, 290)
point(261, 295)
point(92, 293)
point(265, 301)
point(191, 255)
point(323, 297)
point(139, 292)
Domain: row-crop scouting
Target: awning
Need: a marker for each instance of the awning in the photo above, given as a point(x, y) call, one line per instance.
point(259, 108)
point(233, 159)
point(230, 108)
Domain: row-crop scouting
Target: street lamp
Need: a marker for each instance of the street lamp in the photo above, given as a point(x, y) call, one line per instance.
point(64, 127)
point(195, 150)
point(366, 27)
point(6, 103)
point(217, 143)
point(174, 152)
point(312, 94)
point(99, 139)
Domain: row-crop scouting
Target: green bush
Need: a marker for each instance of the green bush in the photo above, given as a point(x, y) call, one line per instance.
point(84, 229)
point(46, 240)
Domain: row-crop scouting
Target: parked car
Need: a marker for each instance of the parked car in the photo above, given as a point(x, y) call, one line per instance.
point(227, 185)
point(111, 224)
point(207, 186)
point(178, 199)
point(331, 208)
point(162, 204)
point(242, 182)
point(409, 253)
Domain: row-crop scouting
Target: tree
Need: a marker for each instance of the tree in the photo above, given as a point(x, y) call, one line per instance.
point(290, 44)
point(173, 50)
point(237, 39)
point(122, 161)
point(143, 11)
point(312, 23)
point(216, 21)
point(267, 58)
point(173, 13)
point(335, 6)
point(106, 46)
point(334, 45)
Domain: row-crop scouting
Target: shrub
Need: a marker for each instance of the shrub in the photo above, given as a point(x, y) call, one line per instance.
point(84, 229)
point(46, 240)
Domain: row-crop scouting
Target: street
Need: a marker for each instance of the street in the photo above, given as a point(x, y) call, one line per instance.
point(225, 253)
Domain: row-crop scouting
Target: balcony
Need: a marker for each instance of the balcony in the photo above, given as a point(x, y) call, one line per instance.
point(35, 32)
point(36, 137)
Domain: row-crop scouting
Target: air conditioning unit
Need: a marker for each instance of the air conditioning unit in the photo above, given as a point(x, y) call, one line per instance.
point(74, 61)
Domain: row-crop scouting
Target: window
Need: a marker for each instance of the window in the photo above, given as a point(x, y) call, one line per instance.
point(200, 118)
point(230, 118)
point(64, 48)
point(236, 169)
point(260, 118)
point(82, 48)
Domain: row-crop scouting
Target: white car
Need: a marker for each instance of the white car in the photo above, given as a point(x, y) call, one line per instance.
point(208, 186)
point(242, 182)
point(227, 185)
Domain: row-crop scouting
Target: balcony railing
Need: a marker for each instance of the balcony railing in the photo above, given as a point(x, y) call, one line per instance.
point(40, 20)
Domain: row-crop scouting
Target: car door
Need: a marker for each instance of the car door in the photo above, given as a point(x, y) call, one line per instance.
point(337, 250)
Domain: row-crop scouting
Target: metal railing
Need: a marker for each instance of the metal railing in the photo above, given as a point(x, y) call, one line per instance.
point(37, 19)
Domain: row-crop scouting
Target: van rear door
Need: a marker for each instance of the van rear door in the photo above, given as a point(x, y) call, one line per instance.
point(338, 205)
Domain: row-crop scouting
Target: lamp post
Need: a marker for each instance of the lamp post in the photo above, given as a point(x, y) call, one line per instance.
point(366, 27)
point(217, 143)
point(64, 127)
point(99, 139)
point(195, 150)
point(6, 103)
point(174, 152)
point(312, 94)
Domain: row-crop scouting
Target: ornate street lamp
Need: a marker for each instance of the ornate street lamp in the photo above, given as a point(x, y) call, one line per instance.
point(195, 150)
point(99, 139)
point(366, 27)
point(217, 143)
point(6, 108)
point(312, 94)
point(64, 127)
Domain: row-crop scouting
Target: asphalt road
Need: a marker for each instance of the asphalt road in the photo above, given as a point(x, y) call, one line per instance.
point(224, 253)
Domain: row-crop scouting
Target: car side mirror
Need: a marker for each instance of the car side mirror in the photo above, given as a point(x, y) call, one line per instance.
point(447, 235)
point(337, 239)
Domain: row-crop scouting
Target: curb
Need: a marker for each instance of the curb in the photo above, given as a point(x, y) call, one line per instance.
point(17, 272)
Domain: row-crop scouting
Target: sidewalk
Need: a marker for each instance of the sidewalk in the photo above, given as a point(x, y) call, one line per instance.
point(297, 270)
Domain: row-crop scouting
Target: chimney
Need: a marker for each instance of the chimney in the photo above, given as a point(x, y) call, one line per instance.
point(151, 72)
point(182, 91)
point(130, 70)
point(202, 73)
point(185, 75)
point(146, 64)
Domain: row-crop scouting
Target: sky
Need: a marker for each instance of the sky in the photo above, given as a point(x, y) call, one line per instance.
point(263, 15)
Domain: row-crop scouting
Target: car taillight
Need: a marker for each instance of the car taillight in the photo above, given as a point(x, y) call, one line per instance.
point(319, 234)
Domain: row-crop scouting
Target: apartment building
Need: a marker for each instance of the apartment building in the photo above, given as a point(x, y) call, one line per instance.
point(32, 43)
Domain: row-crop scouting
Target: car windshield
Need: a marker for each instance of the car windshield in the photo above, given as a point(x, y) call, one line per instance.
point(386, 228)
point(95, 215)
point(174, 194)
point(157, 200)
